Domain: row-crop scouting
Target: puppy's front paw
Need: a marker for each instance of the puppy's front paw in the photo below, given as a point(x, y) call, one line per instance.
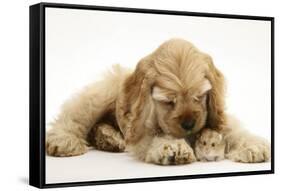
point(170, 152)
point(62, 144)
point(251, 152)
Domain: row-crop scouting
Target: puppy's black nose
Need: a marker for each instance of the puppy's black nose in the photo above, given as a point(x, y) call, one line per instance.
point(188, 124)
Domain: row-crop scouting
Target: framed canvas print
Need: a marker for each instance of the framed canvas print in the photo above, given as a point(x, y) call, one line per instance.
point(121, 95)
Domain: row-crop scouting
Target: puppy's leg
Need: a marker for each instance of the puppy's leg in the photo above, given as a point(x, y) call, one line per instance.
point(106, 137)
point(69, 132)
point(164, 150)
point(243, 146)
point(248, 150)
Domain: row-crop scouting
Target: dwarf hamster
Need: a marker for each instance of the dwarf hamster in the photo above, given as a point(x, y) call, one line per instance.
point(209, 146)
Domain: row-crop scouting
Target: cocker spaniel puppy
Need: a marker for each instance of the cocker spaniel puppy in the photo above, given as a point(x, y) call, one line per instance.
point(172, 94)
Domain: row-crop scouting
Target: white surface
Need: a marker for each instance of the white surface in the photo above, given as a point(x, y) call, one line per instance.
point(14, 96)
point(98, 165)
point(82, 44)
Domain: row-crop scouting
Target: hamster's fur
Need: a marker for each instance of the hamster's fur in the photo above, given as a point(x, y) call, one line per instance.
point(209, 146)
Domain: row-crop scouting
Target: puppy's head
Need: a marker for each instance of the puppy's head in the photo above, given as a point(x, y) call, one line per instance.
point(177, 89)
point(181, 111)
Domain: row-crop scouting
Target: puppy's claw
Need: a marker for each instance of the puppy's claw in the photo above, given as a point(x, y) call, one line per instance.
point(170, 152)
point(251, 153)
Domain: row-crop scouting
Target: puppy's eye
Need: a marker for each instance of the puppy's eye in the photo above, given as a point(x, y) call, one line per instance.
point(213, 144)
point(169, 103)
point(204, 143)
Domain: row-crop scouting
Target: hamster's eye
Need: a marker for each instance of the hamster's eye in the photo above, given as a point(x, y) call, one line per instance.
point(204, 143)
point(213, 144)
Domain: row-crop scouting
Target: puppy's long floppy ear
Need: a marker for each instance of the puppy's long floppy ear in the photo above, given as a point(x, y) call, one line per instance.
point(133, 106)
point(216, 98)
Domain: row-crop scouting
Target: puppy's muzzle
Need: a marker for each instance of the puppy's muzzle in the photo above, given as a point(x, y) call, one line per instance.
point(188, 124)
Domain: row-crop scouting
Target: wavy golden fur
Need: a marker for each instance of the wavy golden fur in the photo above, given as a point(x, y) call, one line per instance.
point(172, 94)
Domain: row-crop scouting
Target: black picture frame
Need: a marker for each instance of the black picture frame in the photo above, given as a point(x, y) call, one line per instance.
point(37, 94)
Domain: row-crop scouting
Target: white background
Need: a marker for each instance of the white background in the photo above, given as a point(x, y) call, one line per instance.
point(14, 95)
point(82, 44)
